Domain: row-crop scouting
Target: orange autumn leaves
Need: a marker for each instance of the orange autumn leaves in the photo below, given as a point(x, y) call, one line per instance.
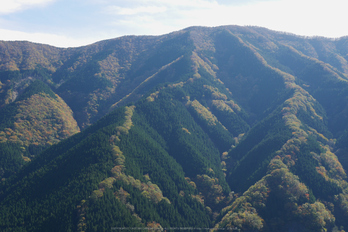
point(41, 120)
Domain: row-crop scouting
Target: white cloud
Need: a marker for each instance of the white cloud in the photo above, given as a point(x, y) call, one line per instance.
point(137, 10)
point(104, 19)
point(185, 3)
point(44, 38)
point(154, 17)
point(10, 6)
point(303, 17)
point(156, 6)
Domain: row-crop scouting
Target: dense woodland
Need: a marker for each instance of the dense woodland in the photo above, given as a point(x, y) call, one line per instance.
point(237, 128)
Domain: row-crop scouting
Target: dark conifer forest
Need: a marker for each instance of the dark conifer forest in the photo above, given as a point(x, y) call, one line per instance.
point(227, 128)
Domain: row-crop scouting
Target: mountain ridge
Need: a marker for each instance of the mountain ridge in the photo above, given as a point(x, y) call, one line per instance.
point(244, 119)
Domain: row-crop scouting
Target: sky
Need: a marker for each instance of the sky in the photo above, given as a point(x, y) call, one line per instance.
point(73, 23)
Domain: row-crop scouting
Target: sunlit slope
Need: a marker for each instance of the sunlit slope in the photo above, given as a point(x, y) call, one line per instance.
point(232, 127)
point(37, 119)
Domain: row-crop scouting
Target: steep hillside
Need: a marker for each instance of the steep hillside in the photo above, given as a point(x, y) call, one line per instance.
point(37, 119)
point(91, 79)
point(229, 127)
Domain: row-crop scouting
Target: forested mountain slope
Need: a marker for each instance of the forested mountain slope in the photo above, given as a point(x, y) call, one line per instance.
point(226, 127)
point(37, 119)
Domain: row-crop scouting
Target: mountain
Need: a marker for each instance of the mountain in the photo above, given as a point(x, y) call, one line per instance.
point(237, 128)
point(37, 119)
